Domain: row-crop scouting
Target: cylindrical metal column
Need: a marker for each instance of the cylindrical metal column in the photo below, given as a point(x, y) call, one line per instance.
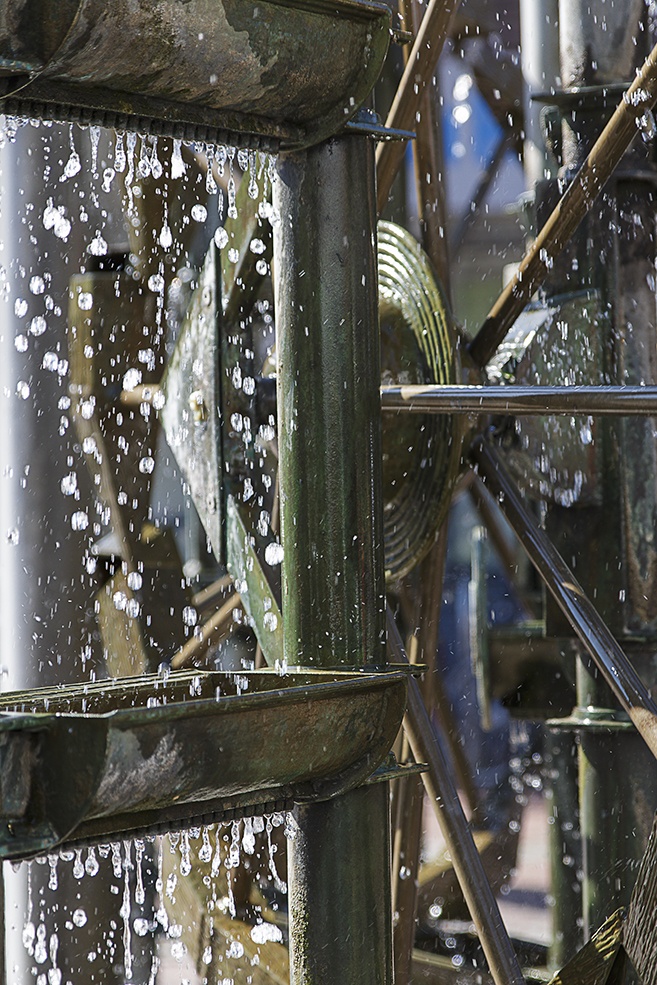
point(331, 521)
point(329, 430)
point(539, 51)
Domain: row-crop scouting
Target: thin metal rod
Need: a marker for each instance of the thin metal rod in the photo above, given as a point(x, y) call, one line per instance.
point(412, 88)
point(571, 209)
point(617, 400)
point(440, 788)
point(569, 595)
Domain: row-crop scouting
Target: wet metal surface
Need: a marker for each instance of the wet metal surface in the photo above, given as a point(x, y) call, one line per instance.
point(92, 751)
point(639, 400)
point(275, 74)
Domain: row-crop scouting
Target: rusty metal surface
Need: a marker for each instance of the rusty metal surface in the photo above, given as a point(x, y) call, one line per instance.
point(98, 750)
point(289, 72)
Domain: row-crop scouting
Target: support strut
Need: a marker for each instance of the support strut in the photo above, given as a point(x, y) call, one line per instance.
point(332, 531)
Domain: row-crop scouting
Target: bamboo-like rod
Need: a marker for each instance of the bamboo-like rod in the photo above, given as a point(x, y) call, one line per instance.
point(218, 628)
point(412, 87)
point(612, 662)
point(569, 212)
point(618, 400)
point(468, 866)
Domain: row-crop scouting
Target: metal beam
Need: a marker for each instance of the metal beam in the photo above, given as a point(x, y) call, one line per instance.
point(616, 400)
point(332, 533)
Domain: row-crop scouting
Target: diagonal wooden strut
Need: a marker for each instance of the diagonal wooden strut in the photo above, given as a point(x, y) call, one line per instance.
point(569, 212)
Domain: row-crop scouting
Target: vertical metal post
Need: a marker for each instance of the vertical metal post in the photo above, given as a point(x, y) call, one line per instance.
point(331, 521)
point(602, 43)
point(539, 49)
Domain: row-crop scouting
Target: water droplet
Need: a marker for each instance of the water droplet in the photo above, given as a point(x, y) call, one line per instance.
point(21, 342)
point(80, 520)
point(132, 379)
point(220, 240)
point(50, 361)
point(178, 950)
point(69, 484)
point(185, 861)
point(166, 237)
point(91, 865)
point(233, 255)
point(52, 881)
point(264, 932)
point(23, 389)
point(134, 581)
point(270, 621)
point(98, 246)
point(235, 950)
point(205, 851)
point(274, 554)
point(38, 325)
point(261, 267)
point(199, 213)
point(156, 283)
point(37, 285)
point(141, 926)
point(20, 304)
point(207, 955)
point(109, 174)
point(257, 246)
point(177, 163)
point(78, 867)
point(146, 465)
point(72, 167)
point(54, 217)
point(190, 615)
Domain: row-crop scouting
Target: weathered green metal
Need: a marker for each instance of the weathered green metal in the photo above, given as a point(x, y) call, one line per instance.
point(133, 748)
point(258, 584)
point(328, 407)
point(331, 519)
point(336, 890)
point(277, 74)
point(418, 341)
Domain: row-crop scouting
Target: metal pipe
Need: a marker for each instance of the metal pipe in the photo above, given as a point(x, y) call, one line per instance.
point(569, 212)
point(544, 400)
point(539, 54)
point(583, 617)
point(332, 533)
point(440, 788)
point(411, 90)
point(329, 433)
